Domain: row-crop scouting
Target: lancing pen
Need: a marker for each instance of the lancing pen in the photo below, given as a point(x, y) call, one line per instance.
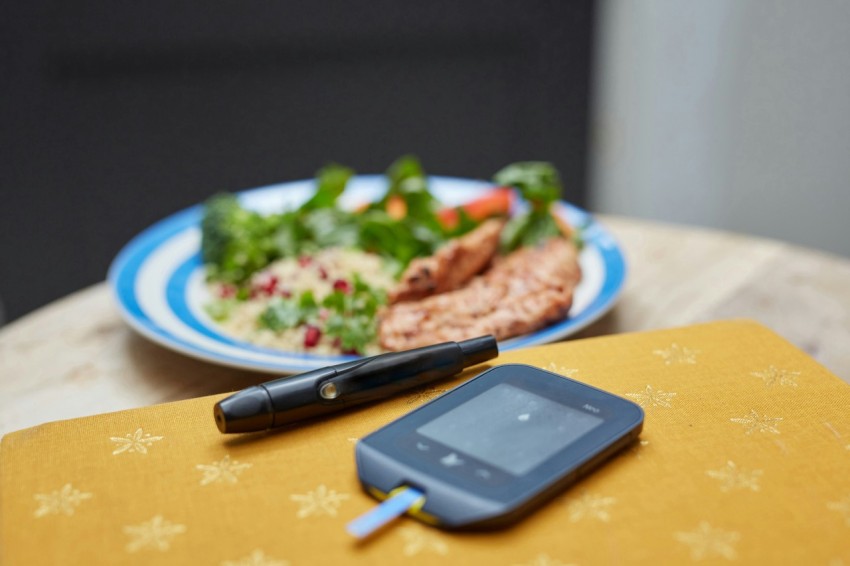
point(333, 388)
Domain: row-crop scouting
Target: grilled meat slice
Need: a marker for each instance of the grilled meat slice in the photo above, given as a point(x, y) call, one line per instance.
point(451, 266)
point(520, 293)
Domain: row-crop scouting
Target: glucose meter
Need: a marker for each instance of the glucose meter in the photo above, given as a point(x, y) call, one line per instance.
point(491, 450)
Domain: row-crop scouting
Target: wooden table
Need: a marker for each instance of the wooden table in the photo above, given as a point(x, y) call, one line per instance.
point(77, 357)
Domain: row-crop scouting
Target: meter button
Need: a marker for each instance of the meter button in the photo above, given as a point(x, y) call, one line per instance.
point(483, 473)
point(451, 460)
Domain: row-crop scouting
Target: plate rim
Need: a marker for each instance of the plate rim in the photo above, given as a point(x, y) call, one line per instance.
point(127, 262)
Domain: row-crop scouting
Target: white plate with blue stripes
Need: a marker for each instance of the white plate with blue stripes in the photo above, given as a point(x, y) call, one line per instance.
point(158, 277)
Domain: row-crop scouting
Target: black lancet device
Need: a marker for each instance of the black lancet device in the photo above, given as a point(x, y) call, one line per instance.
point(493, 449)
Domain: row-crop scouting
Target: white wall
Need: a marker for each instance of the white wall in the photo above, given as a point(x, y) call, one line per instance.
point(726, 113)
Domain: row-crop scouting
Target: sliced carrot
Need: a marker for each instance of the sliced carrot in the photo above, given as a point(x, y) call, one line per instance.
point(396, 207)
point(494, 203)
point(448, 217)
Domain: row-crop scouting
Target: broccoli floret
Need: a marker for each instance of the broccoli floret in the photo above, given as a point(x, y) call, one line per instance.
point(235, 242)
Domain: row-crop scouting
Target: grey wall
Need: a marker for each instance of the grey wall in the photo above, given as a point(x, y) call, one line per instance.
point(726, 113)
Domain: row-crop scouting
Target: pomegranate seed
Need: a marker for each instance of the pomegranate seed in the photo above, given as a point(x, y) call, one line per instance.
point(323, 273)
point(342, 285)
point(305, 260)
point(227, 291)
point(267, 284)
point(311, 337)
point(286, 293)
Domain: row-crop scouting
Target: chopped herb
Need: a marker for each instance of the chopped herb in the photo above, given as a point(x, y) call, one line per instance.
point(281, 315)
point(350, 314)
point(307, 303)
point(352, 319)
point(220, 309)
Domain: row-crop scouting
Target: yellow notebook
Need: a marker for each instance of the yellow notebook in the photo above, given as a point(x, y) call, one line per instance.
point(745, 456)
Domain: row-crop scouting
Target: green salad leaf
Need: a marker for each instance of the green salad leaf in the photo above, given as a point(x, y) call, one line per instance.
point(330, 184)
point(407, 179)
point(539, 183)
point(237, 242)
point(416, 230)
point(332, 227)
point(399, 241)
point(402, 225)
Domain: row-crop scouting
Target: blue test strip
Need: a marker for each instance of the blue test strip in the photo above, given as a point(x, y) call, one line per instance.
point(397, 505)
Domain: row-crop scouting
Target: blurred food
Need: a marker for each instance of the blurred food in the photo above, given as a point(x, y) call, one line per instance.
point(523, 292)
point(451, 266)
point(325, 303)
point(318, 278)
point(539, 185)
point(497, 202)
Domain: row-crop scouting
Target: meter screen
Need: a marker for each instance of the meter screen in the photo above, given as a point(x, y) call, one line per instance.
point(510, 428)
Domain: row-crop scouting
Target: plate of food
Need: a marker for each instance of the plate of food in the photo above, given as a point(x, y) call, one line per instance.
point(304, 274)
